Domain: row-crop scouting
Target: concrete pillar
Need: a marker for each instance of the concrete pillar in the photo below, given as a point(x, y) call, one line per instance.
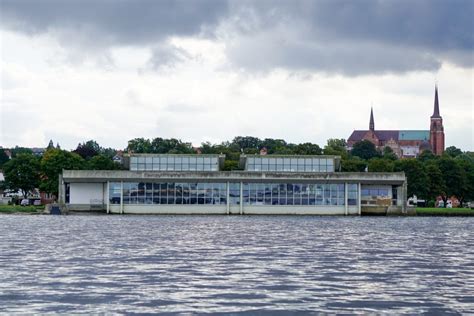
point(108, 197)
point(241, 198)
point(346, 206)
point(228, 198)
point(359, 203)
point(404, 195)
point(61, 190)
point(121, 197)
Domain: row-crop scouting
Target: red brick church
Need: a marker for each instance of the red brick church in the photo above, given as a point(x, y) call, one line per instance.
point(405, 143)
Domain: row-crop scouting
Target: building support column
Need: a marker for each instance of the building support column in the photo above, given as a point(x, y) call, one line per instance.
point(404, 196)
point(108, 197)
point(346, 206)
point(241, 198)
point(61, 190)
point(228, 197)
point(359, 202)
point(121, 197)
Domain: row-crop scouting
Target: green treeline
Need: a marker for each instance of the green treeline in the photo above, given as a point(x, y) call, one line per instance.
point(428, 175)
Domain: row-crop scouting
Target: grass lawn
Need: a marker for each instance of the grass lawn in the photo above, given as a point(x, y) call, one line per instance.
point(6, 209)
point(434, 211)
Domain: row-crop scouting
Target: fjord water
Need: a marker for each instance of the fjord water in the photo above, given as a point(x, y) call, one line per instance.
point(143, 264)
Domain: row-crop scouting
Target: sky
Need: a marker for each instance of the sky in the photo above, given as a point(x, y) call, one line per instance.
point(210, 70)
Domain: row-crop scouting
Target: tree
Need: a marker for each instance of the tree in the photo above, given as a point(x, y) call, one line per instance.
point(336, 147)
point(453, 151)
point(53, 163)
point(453, 177)
point(426, 155)
point(417, 177)
point(308, 149)
point(353, 164)
point(273, 145)
point(380, 165)
point(20, 150)
point(172, 145)
point(230, 165)
point(247, 142)
point(389, 154)
point(139, 145)
point(466, 191)
point(3, 157)
point(88, 149)
point(22, 173)
point(365, 150)
point(101, 162)
point(436, 185)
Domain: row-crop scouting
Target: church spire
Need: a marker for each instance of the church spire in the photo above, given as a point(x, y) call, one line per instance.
point(371, 124)
point(436, 103)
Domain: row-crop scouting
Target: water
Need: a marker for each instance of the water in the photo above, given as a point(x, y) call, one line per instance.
point(258, 264)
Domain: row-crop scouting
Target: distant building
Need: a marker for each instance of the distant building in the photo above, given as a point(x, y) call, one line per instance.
point(196, 184)
point(405, 143)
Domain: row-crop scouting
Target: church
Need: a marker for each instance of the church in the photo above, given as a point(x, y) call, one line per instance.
point(405, 143)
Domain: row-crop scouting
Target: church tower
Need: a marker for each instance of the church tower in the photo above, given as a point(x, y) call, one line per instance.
point(436, 128)
point(371, 123)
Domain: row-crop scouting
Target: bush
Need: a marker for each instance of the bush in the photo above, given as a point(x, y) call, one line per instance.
point(431, 203)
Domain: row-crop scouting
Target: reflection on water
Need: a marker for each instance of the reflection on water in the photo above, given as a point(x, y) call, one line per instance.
point(94, 264)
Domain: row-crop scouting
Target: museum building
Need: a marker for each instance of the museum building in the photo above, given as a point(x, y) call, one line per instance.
point(196, 184)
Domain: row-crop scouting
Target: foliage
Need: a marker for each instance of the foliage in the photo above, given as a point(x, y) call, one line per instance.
point(22, 173)
point(336, 147)
point(389, 154)
point(101, 162)
point(453, 177)
point(20, 150)
point(230, 165)
point(52, 164)
point(159, 146)
point(428, 211)
point(308, 149)
point(453, 151)
point(417, 177)
point(3, 157)
point(466, 191)
point(88, 149)
point(20, 209)
point(354, 164)
point(436, 185)
point(365, 150)
point(380, 165)
point(426, 155)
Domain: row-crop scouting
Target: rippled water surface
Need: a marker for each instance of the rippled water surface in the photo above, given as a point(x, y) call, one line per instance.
point(197, 264)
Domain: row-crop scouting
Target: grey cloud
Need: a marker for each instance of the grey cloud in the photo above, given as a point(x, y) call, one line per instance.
point(348, 37)
point(111, 22)
point(167, 55)
point(353, 37)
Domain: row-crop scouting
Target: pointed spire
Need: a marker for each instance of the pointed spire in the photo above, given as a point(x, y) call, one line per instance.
point(371, 124)
point(436, 103)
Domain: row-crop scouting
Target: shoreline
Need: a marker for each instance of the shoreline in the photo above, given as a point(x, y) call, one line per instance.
point(420, 212)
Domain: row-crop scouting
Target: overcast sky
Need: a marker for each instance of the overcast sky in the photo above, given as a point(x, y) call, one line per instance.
point(304, 71)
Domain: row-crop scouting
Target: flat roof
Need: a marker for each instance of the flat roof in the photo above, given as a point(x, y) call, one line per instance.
point(395, 178)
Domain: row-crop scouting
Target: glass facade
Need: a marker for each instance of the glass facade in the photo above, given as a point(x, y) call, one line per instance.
point(293, 194)
point(290, 164)
point(375, 192)
point(171, 193)
point(352, 193)
point(174, 163)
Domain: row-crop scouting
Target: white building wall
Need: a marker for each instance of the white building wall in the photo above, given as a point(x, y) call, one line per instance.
point(83, 193)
